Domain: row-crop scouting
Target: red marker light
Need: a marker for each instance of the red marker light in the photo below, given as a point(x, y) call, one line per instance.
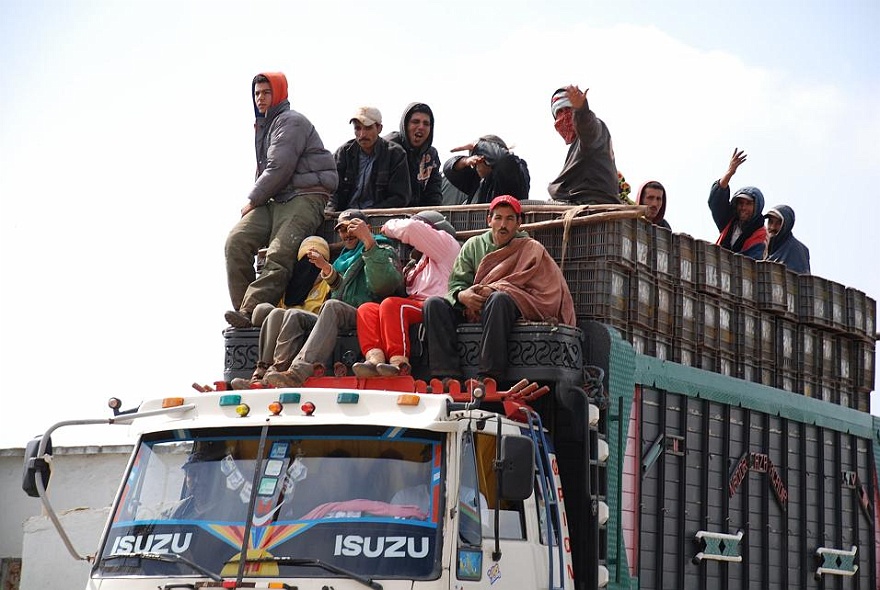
point(308, 408)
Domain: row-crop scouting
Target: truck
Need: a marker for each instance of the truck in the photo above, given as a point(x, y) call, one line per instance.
point(619, 453)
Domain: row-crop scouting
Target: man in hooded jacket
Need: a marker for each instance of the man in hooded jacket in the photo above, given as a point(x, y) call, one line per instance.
point(784, 247)
point(416, 136)
point(294, 179)
point(652, 194)
point(489, 170)
point(739, 219)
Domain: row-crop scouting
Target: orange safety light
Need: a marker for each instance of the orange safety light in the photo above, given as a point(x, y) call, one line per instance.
point(242, 410)
point(308, 408)
point(408, 399)
point(275, 408)
point(172, 402)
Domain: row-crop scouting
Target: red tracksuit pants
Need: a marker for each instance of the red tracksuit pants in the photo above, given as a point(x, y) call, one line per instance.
point(386, 325)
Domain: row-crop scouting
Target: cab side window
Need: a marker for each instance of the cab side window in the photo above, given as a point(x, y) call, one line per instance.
point(470, 528)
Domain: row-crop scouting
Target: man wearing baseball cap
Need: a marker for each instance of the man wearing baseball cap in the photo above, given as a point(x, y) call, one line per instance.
point(739, 219)
point(497, 278)
point(383, 328)
point(367, 269)
point(373, 172)
point(589, 175)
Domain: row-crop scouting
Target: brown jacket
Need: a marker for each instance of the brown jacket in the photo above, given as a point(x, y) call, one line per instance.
point(525, 270)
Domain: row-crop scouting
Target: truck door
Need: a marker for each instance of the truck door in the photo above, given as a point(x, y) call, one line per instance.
point(523, 560)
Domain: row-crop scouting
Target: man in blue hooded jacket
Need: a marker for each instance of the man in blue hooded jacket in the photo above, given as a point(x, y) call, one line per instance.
point(739, 219)
point(784, 247)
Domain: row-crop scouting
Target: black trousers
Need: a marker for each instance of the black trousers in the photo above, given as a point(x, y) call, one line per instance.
point(441, 320)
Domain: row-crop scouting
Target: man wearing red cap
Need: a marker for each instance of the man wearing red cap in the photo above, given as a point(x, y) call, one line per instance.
point(497, 278)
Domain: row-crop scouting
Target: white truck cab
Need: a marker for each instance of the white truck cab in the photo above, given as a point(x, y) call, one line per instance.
point(338, 488)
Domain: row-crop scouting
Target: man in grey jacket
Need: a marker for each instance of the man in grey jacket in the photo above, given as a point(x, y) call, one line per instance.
point(294, 180)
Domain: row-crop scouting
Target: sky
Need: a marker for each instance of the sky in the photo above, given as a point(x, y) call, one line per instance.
point(126, 145)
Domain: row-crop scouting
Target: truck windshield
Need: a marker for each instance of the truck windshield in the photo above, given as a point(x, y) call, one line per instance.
point(367, 501)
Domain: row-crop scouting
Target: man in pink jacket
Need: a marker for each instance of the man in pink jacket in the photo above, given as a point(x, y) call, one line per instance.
point(383, 328)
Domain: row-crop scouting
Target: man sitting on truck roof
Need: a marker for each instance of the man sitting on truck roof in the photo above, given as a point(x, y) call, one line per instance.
point(416, 136)
point(589, 175)
point(373, 172)
point(383, 328)
point(652, 194)
point(366, 270)
point(284, 329)
point(295, 178)
point(784, 247)
point(498, 277)
point(490, 169)
point(739, 219)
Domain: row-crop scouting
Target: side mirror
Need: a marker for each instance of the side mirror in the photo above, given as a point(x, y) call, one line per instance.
point(34, 464)
point(516, 471)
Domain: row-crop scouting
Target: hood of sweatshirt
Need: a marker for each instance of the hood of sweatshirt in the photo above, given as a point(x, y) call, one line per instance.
point(412, 108)
point(662, 212)
point(787, 215)
point(278, 82)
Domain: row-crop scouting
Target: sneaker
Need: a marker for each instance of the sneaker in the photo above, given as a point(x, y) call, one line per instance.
point(365, 369)
point(238, 319)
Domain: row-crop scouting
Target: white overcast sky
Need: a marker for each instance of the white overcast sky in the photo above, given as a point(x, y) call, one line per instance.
point(126, 145)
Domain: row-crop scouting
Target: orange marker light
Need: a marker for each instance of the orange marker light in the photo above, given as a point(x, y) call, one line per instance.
point(275, 408)
point(172, 402)
point(408, 399)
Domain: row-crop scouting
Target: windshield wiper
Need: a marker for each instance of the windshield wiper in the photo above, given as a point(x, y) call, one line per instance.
point(300, 562)
point(166, 558)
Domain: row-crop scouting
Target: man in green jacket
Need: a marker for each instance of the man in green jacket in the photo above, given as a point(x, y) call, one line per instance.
point(499, 277)
point(368, 269)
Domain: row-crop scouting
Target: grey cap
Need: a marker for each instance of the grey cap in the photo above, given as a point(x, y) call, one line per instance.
point(436, 220)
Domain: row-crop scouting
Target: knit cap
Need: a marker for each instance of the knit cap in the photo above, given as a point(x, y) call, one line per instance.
point(558, 101)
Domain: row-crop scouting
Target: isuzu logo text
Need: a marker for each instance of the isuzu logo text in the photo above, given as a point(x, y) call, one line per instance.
point(156, 543)
point(355, 545)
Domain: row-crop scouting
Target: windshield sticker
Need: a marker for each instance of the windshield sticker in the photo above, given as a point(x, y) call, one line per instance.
point(245, 494)
point(267, 486)
point(279, 450)
point(234, 480)
point(274, 467)
point(227, 465)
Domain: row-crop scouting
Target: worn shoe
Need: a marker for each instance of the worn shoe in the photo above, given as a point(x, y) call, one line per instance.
point(238, 319)
point(365, 369)
point(292, 377)
point(240, 383)
point(387, 370)
point(397, 365)
point(373, 358)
